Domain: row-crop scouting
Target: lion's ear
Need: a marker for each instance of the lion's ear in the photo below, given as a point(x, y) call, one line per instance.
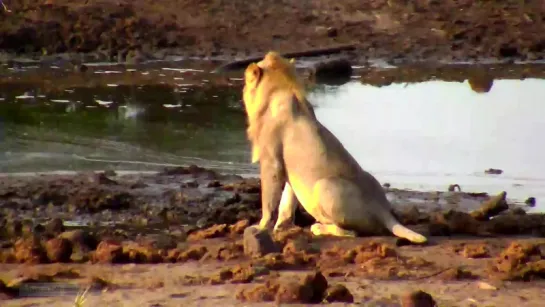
point(253, 74)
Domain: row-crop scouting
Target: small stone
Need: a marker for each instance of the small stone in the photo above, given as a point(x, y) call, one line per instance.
point(258, 243)
point(418, 299)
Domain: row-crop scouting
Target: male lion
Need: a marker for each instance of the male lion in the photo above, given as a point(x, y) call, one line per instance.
point(296, 151)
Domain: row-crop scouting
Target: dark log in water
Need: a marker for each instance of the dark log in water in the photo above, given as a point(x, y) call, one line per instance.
point(240, 64)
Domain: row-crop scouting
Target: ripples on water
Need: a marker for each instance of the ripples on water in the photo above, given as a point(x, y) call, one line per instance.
point(423, 135)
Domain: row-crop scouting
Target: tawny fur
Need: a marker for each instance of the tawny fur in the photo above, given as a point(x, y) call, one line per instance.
point(283, 71)
point(297, 153)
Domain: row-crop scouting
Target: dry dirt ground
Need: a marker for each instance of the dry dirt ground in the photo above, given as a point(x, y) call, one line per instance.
point(175, 238)
point(391, 29)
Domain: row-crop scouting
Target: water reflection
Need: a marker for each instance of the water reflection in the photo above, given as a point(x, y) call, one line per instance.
point(481, 84)
point(438, 133)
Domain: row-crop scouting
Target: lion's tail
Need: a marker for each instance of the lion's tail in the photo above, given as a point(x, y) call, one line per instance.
point(399, 230)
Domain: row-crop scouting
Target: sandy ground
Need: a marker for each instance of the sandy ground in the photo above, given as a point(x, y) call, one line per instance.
point(101, 230)
point(392, 29)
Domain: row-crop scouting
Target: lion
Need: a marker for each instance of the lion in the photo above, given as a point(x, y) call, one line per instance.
point(297, 153)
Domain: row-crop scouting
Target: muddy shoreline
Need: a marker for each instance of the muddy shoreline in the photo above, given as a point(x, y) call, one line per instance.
point(132, 31)
point(91, 228)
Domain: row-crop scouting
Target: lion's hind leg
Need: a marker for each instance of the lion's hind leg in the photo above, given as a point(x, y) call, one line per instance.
point(337, 208)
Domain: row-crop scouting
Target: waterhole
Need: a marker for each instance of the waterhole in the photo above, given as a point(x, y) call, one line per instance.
point(417, 127)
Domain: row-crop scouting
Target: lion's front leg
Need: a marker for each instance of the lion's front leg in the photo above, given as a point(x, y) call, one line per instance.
point(286, 211)
point(273, 179)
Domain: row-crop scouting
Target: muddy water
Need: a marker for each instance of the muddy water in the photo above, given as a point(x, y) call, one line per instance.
point(420, 135)
point(123, 122)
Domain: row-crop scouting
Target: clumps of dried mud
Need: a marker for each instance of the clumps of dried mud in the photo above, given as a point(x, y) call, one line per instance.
point(520, 261)
point(395, 29)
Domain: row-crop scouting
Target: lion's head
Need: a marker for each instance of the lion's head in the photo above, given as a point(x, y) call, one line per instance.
point(265, 80)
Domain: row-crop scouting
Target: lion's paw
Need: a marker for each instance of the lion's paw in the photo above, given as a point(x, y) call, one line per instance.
point(331, 229)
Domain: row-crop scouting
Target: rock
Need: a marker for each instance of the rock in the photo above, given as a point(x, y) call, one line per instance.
point(58, 250)
point(338, 293)
point(417, 299)
point(258, 243)
point(109, 251)
point(30, 250)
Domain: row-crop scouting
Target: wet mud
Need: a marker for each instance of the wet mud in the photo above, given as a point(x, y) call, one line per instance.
point(133, 31)
point(73, 229)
